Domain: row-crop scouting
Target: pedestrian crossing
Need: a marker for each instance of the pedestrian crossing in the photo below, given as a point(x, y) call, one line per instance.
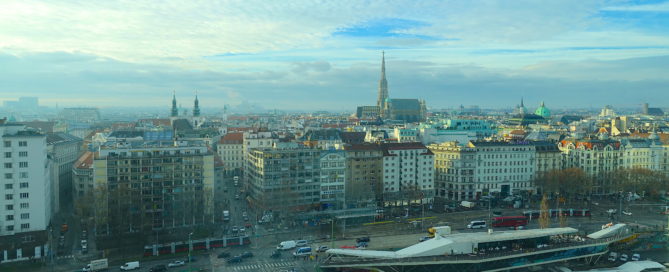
point(260, 266)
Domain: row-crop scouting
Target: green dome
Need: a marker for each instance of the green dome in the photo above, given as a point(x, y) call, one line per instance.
point(543, 111)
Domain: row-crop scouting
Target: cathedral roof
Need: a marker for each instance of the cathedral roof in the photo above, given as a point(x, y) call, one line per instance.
point(405, 104)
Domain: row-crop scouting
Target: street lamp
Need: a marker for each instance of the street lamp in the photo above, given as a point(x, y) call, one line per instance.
point(190, 244)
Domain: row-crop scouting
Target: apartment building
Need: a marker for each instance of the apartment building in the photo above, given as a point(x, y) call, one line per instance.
point(154, 185)
point(408, 173)
point(27, 199)
point(364, 175)
point(285, 178)
point(596, 157)
point(483, 168)
point(63, 149)
point(231, 151)
point(333, 179)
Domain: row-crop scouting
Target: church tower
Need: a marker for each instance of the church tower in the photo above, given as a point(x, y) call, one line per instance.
point(175, 110)
point(383, 88)
point(196, 107)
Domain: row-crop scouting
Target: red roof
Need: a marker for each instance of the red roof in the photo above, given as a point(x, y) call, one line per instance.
point(233, 138)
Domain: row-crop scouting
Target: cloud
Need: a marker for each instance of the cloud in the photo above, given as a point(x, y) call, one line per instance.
point(657, 7)
point(317, 66)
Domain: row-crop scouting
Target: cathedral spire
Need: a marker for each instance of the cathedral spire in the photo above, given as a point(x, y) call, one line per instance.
point(175, 110)
point(196, 106)
point(383, 86)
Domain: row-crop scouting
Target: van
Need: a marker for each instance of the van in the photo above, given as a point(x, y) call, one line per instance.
point(303, 251)
point(476, 225)
point(130, 266)
point(286, 245)
point(301, 243)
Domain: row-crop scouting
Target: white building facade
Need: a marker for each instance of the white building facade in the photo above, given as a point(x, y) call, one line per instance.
point(408, 173)
point(26, 201)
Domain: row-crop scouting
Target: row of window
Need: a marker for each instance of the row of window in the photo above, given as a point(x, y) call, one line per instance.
point(11, 196)
point(21, 143)
point(10, 217)
point(22, 175)
point(21, 154)
point(9, 165)
point(23, 226)
point(10, 207)
point(11, 186)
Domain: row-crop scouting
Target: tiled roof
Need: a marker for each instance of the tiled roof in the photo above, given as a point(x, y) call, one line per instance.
point(85, 161)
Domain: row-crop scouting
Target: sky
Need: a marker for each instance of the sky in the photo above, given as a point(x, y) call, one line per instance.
point(325, 55)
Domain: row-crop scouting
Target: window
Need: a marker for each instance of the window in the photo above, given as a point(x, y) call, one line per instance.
point(24, 195)
point(23, 185)
point(8, 154)
point(9, 186)
point(23, 143)
point(25, 205)
point(9, 217)
point(9, 196)
point(25, 216)
point(10, 228)
point(23, 175)
point(23, 164)
point(8, 175)
point(23, 154)
point(8, 165)
point(25, 226)
point(9, 207)
point(8, 144)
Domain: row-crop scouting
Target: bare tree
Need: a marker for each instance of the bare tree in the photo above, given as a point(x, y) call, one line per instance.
point(544, 217)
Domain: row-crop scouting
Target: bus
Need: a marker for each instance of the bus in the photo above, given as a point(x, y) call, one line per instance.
point(509, 221)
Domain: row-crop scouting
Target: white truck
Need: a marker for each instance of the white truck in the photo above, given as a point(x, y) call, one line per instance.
point(96, 265)
point(226, 216)
point(286, 245)
point(467, 204)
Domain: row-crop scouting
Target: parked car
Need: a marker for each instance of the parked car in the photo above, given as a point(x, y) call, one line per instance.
point(247, 254)
point(235, 229)
point(636, 257)
point(235, 259)
point(158, 268)
point(613, 256)
point(623, 257)
point(362, 245)
point(236, 196)
point(301, 243)
point(363, 239)
point(242, 229)
point(223, 254)
point(322, 248)
point(176, 264)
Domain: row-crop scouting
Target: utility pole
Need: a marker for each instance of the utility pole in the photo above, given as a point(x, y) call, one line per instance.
point(620, 206)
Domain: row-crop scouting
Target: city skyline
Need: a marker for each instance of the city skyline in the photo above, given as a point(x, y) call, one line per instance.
point(568, 54)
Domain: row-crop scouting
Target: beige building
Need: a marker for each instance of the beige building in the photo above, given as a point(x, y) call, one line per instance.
point(483, 168)
point(364, 175)
point(231, 151)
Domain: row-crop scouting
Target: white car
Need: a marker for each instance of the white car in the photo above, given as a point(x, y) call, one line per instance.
point(176, 264)
point(623, 257)
point(627, 213)
point(612, 211)
point(636, 257)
